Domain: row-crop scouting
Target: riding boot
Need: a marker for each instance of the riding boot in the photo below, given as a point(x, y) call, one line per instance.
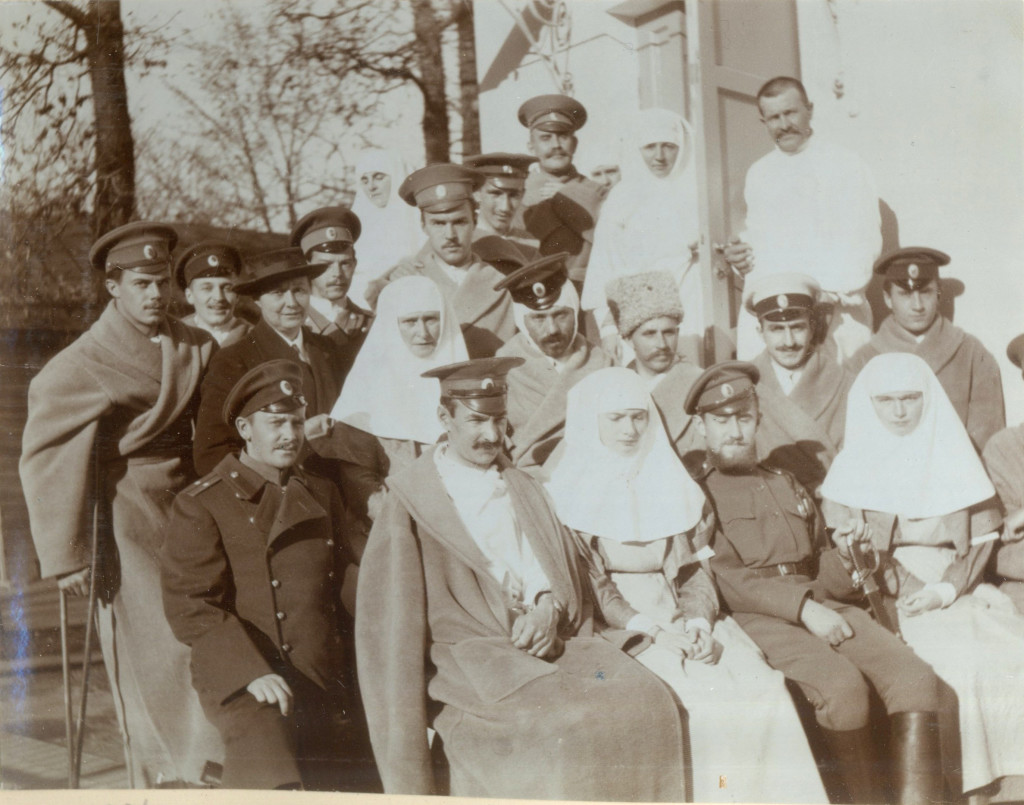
point(917, 770)
point(853, 753)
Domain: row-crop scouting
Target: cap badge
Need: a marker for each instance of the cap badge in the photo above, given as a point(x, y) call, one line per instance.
point(332, 233)
point(913, 271)
point(212, 261)
point(506, 169)
point(441, 191)
point(727, 391)
point(286, 388)
point(782, 300)
point(487, 383)
point(539, 289)
point(149, 251)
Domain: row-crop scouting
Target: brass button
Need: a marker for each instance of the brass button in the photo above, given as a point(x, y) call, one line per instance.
point(234, 474)
point(275, 583)
point(330, 574)
point(280, 616)
point(286, 647)
point(330, 543)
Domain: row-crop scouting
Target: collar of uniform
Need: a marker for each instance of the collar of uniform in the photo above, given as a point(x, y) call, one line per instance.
point(328, 309)
point(241, 475)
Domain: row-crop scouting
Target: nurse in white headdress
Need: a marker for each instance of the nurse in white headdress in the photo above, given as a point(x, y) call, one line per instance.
point(390, 227)
point(387, 413)
point(649, 222)
point(908, 468)
point(643, 527)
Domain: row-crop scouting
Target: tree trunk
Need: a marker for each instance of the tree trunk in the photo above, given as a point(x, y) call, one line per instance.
point(115, 152)
point(469, 105)
point(435, 102)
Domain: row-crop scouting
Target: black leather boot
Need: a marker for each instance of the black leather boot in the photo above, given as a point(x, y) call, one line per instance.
point(853, 753)
point(917, 767)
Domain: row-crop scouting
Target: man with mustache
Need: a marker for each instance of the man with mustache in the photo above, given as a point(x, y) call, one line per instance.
point(251, 568)
point(498, 201)
point(207, 273)
point(473, 619)
point(327, 237)
point(802, 390)
point(810, 204)
point(279, 283)
point(788, 595)
point(556, 357)
point(647, 311)
point(444, 195)
point(111, 417)
point(560, 204)
point(967, 371)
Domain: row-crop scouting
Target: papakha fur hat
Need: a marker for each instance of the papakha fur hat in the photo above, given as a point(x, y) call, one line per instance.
point(637, 298)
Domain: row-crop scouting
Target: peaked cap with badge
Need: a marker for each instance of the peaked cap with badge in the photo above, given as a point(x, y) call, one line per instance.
point(480, 384)
point(723, 388)
point(326, 229)
point(556, 113)
point(212, 258)
point(440, 188)
point(504, 170)
point(268, 268)
point(782, 297)
point(274, 386)
point(537, 285)
point(911, 267)
point(139, 246)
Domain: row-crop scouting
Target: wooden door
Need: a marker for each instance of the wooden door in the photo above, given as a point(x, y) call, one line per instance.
point(733, 47)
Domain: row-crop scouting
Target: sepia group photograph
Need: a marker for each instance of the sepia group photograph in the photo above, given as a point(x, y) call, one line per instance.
point(568, 400)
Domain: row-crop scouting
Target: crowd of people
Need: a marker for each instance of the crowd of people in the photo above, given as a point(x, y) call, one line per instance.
point(462, 510)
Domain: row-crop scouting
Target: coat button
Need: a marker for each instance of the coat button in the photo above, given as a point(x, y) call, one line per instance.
point(280, 616)
point(330, 574)
point(275, 583)
point(252, 519)
point(330, 543)
point(233, 474)
point(286, 647)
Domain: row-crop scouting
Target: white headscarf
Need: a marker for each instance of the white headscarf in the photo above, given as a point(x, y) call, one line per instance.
point(647, 223)
point(384, 393)
point(931, 471)
point(568, 298)
point(389, 233)
point(642, 497)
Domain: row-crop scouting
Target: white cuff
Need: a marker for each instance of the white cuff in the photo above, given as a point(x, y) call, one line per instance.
point(945, 591)
point(641, 623)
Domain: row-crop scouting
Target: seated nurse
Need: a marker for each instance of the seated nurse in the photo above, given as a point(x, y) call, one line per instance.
point(909, 470)
point(643, 526)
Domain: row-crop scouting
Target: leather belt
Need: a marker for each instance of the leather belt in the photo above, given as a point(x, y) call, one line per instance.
point(805, 567)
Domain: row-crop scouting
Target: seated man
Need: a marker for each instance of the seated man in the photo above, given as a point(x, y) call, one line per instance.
point(499, 199)
point(967, 371)
point(556, 356)
point(1004, 460)
point(472, 620)
point(444, 195)
point(802, 390)
point(279, 282)
point(786, 594)
point(207, 273)
point(250, 568)
point(647, 312)
point(327, 237)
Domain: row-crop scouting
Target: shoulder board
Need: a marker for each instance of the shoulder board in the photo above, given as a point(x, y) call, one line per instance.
point(202, 484)
point(771, 469)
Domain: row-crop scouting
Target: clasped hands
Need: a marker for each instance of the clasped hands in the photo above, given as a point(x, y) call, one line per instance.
point(693, 644)
point(536, 630)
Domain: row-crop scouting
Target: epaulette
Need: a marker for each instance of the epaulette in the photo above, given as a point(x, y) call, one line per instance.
point(202, 484)
point(697, 465)
point(771, 469)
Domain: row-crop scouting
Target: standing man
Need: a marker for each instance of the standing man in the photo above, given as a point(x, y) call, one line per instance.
point(647, 312)
point(787, 595)
point(207, 273)
point(473, 620)
point(500, 197)
point(802, 390)
point(110, 425)
point(279, 282)
point(967, 371)
point(1004, 460)
point(250, 583)
point(327, 237)
point(560, 204)
point(556, 357)
point(810, 204)
point(444, 195)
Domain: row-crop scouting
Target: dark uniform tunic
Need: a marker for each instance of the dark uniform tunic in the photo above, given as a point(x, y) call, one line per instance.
point(250, 581)
point(768, 561)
